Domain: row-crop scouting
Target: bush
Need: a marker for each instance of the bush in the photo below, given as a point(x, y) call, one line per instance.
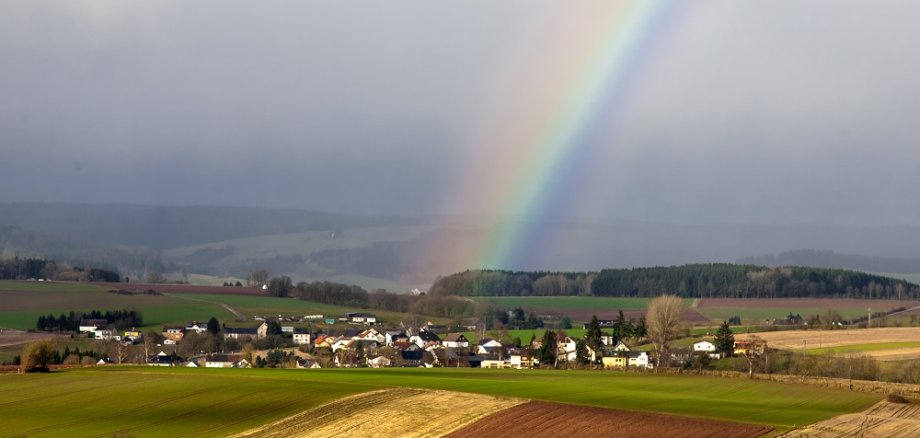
point(896, 398)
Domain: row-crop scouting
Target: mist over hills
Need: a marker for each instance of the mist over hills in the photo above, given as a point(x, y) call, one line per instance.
point(401, 252)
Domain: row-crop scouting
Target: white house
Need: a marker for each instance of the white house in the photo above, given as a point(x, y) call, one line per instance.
point(196, 327)
point(91, 325)
point(301, 337)
point(226, 361)
point(569, 351)
point(486, 346)
point(456, 340)
point(706, 347)
point(379, 362)
point(425, 338)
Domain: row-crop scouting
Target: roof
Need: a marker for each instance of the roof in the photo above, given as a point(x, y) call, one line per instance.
point(172, 327)
point(224, 358)
point(88, 322)
point(428, 336)
point(240, 330)
point(301, 331)
point(455, 337)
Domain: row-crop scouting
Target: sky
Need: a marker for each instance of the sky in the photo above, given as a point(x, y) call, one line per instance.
point(725, 112)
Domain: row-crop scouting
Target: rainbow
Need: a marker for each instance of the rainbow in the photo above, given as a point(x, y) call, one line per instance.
point(539, 145)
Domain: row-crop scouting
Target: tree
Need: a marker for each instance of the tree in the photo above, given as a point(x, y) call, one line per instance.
point(725, 340)
point(37, 355)
point(593, 337)
point(581, 353)
point(548, 347)
point(274, 328)
point(359, 352)
point(565, 322)
point(257, 277)
point(663, 321)
point(213, 326)
point(154, 277)
point(280, 286)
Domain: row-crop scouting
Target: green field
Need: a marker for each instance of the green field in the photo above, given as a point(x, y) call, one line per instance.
point(207, 402)
point(602, 304)
point(757, 315)
point(524, 334)
point(21, 303)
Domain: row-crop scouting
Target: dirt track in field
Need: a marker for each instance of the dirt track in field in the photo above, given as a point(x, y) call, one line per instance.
point(538, 419)
point(391, 412)
point(884, 419)
point(792, 339)
point(10, 337)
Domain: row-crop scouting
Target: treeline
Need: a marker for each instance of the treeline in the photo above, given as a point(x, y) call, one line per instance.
point(506, 283)
point(723, 280)
point(356, 296)
point(120, 319)
point(18, 268)
point(701, 280)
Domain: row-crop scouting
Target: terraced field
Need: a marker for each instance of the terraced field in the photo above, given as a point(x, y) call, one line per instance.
point(885, 419)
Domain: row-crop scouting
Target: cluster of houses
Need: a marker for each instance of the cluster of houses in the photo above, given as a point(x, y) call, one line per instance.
point(100, 329)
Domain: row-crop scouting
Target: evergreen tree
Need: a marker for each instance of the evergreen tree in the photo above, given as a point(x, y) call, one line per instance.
point(213, 326)
point(581, 353)
point(548, 348)
point(725, 340)
point(594, 336)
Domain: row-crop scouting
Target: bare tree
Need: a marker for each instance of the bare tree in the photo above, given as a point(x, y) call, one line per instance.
point(257, 277)
point(663, 320)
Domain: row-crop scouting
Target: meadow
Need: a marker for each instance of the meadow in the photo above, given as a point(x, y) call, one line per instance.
point(144, 401)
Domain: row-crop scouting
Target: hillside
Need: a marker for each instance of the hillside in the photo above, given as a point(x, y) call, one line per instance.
point(835, 260)
point(701, 280)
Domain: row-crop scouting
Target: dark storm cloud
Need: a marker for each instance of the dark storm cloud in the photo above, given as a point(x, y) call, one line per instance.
point(774, 112)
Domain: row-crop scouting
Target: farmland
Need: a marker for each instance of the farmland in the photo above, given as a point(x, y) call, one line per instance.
point(888, 344)
point(757, 310)
point(219, 402)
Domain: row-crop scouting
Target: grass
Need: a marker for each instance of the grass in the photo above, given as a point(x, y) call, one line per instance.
point(754, 315)
point(207, 402)
point(571, 303)
point(525, 334)
point(865, 348)
point(262, 306)
point(23, 302)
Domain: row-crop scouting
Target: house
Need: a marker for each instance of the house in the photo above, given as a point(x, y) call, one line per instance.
point(371, 335)
point(342, 342)
point(173, 333)
point(411, 354)
point(521, 361)
point(160, 360)
point(262, 331)
point(329, 321)
point(313, 317)
point(379, 362)
point(105, 361)
point(627, 359)
point(487, 346)
point(239, 332)
point(361, 318)
point(603, 323)
point(306, 364)
point(751, 346)
point(425, 338)
point(226, 361)
point(706, 347)
point(91, 325)
point(621, 347)
point(456, 340)
point(301, 336)
point(192, 364)
point(287, 329)
point(494, 363)
point(570, 353)
point(105, 334)
point(473, 324)
point(323, 341)
point(395, 336)
point(196, 327)
point(132, 335)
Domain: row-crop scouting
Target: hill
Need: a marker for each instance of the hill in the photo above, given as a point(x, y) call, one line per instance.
point(835, 260)
point(701, 280)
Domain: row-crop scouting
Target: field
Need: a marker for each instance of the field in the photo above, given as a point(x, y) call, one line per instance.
point(892, 420)
point(757, 310)
point(21, 303)
point(581, 309)
point(363, 412)
point(896, 343)
point(209, 402)
point(547, 420)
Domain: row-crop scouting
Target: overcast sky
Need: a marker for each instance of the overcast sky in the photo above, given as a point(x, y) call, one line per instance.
point(791, 111)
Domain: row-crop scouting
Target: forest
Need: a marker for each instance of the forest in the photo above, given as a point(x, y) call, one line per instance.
point(718, 280)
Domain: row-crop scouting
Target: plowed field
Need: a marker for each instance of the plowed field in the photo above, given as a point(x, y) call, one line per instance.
point(541, 419)
point(401, 412)
point(890, 420)
point(792, 339)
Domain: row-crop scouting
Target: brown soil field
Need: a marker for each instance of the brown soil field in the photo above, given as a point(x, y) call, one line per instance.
point(400, 412)
point(894, 420)
point(817, 303)
point(538, 419)
point(792, 339)
point(185, 288)
point(10, 337)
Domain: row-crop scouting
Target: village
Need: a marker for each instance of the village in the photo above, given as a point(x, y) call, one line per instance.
point(362, 342)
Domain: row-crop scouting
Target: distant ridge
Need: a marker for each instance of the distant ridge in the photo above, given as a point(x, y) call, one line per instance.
point(834, 260)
